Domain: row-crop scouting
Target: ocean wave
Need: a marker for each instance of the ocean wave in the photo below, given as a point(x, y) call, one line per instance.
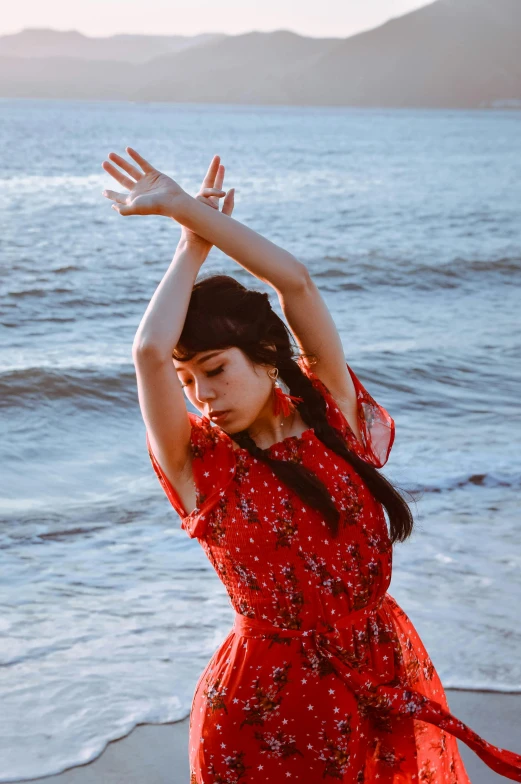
point(91, 386)
point(38, 292)
point(491, 479)
point(348, 273)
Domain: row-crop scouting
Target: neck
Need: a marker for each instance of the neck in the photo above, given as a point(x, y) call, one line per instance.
point(272, 432)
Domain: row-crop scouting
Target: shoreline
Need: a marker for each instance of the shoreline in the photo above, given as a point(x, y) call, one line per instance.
point(158, 753)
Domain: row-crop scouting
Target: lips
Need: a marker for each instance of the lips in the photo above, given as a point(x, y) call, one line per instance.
point(218, 416)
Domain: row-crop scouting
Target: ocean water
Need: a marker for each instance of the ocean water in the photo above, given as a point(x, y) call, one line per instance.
point(409, 223)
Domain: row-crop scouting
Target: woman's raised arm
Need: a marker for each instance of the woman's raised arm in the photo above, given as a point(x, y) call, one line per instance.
point(161, 399)
point(154, 193)
point(257, 254)
point(307, 314)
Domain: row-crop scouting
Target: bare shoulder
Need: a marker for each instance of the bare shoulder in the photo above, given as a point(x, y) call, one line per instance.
point(342, 389)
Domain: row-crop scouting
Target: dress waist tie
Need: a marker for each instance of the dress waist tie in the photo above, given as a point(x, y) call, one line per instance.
point(375, 696)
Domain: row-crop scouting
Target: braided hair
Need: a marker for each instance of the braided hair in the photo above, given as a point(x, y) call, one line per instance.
point(223, 313)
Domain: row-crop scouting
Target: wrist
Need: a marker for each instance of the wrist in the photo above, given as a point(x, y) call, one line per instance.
point(197, 252)
point(176, 205)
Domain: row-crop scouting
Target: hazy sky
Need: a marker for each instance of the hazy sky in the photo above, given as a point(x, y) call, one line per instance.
point(105, 17)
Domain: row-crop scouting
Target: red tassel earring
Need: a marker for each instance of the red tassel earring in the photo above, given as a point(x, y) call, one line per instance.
point(281, 401)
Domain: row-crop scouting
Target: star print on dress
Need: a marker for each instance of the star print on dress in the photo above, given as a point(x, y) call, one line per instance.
point(322, 677)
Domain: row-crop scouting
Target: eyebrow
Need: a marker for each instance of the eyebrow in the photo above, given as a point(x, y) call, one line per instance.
point(203, 359)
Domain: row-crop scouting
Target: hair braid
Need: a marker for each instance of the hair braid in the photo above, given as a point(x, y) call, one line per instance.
point(314, 413)
point(293, 475)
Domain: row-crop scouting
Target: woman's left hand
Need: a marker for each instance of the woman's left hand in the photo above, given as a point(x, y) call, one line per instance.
point(212, 184)
point(150, 191)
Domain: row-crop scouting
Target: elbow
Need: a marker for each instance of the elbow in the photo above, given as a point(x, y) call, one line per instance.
point(306, 279)
point(149, 352)
point(301, 280)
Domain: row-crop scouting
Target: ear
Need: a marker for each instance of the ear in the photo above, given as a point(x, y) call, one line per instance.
point(273, 348)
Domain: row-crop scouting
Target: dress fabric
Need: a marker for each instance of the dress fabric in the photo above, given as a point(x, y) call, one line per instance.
point(322, 676)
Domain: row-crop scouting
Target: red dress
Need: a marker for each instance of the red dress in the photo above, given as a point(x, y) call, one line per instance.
point(323, 676)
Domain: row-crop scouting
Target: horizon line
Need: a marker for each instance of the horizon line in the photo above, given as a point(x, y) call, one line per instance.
point(216, 32)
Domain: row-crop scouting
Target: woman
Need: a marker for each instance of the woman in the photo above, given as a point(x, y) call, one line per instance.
point(322, 675)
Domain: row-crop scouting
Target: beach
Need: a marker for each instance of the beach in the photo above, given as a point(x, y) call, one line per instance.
point(157, 754)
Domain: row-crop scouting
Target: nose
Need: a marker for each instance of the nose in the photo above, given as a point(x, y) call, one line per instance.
point(203, 390)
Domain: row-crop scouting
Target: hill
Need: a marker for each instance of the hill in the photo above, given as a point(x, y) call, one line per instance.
point(449, 54)
point(36, 43)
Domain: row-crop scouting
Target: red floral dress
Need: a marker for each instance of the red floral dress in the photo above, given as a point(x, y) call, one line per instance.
point(323, 676)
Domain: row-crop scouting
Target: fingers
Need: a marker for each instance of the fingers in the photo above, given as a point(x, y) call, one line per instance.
point(145, 165)
point(206, 201)
point(123, 209)
point(123, 164)
point(219, 177)
point(212, 192)
point(209, 179)
point(119, 202)
point(120, 198)
point(229, 201)
point(125, 181)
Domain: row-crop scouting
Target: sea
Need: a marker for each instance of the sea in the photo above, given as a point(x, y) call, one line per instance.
point(409, 223)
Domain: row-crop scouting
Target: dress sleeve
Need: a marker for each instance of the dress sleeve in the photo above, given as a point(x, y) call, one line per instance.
point(376, 426)
point(213, 466)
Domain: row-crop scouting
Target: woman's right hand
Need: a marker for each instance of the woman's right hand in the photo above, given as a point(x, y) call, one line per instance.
point(150, 191)
point(209, 193)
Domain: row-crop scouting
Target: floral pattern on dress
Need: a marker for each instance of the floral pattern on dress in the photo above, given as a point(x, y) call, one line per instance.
point(322, 676)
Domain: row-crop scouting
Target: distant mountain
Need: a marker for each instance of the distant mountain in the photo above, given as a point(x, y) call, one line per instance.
point(251, 68)
point(451, 53)
point(36, 43)
point(67, 78)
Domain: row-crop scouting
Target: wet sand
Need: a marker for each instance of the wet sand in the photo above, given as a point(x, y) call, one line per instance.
point(158, 753)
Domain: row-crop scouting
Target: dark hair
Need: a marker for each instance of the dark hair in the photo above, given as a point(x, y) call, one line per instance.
point(222, 313)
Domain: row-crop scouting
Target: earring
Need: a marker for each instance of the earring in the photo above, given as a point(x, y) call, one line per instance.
point(280, 400)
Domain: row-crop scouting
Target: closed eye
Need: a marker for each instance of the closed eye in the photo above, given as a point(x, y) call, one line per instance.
point(209, 373)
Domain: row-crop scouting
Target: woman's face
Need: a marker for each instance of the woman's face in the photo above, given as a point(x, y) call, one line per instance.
point(226, 380)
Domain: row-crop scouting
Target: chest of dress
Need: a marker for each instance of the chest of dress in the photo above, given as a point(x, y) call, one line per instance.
point(258, 518)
